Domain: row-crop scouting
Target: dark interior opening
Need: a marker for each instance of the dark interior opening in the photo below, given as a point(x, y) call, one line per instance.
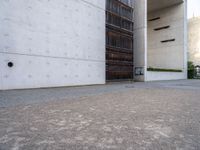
point(119, 40)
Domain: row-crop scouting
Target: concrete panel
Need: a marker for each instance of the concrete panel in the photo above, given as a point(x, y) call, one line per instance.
point(101, 4)
point(161, 76)
point(1, 71)
point(193, 41)
point(140, 14)
point(168, 55)
point(49, 34)
point(50, 72)
point(185, 39)
point(140, 37)
point(154, 5)
point(155, 38)
point(139, 47)
point(52, 33)
point(173, 23)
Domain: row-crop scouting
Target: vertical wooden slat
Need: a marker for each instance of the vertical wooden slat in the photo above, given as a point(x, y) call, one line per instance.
point(119, 40)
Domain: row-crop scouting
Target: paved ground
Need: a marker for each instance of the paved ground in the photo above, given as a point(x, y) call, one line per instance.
point(152, 116)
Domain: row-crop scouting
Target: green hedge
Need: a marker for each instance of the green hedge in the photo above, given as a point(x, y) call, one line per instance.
point(163, 70)
point(191, 69)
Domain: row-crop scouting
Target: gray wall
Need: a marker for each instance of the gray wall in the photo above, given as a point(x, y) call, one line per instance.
point(172, 55)
point(140, 37)
point(52, 43)
point(149, 52)
point(168, 55)
point(194, 40)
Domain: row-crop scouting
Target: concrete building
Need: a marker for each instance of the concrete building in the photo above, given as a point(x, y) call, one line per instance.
point(194, 42)
point(160, 39)
point(51, 43)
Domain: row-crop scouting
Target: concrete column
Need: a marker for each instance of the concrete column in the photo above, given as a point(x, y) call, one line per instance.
point(185, 39)
point(140, 39)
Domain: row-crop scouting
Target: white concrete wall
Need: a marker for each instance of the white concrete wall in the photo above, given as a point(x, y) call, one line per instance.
point(161, 76)
point(168, 55)
point(194, 40)
point(52, 43)
point(140, 37)
point(171, 55)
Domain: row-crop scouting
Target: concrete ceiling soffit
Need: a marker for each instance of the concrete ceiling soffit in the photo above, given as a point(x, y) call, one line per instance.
point(154, 5)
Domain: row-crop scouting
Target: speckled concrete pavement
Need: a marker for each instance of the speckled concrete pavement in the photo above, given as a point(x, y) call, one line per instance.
point(140, 116)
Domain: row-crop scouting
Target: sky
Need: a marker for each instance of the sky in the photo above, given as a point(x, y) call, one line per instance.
point(193, 8)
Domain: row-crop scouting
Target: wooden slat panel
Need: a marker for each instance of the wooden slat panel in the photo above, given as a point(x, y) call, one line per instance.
point(119, 41)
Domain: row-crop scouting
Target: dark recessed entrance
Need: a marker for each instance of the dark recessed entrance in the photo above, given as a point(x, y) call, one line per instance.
point(119, 40)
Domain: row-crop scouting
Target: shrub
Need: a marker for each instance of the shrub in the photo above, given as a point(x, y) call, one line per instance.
point(191, 69)
point(163, 70)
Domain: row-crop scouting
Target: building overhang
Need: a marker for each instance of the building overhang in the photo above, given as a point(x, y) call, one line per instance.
point(154, 5)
